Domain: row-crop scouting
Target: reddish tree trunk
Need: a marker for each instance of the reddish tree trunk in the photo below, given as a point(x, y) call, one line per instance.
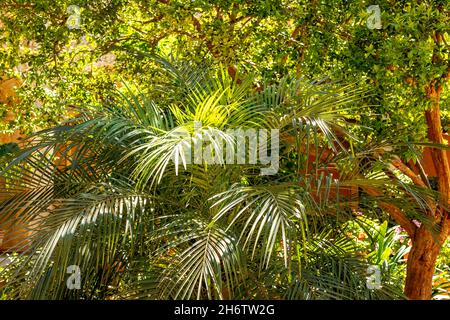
point(421, 265)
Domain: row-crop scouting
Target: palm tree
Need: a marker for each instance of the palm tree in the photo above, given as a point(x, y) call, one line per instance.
point(113, 192)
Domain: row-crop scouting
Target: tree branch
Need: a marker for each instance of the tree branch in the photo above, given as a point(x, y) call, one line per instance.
point(417, 180)
point(396, 213)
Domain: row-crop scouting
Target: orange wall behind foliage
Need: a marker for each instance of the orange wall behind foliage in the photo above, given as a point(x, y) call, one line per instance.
point(10, 236)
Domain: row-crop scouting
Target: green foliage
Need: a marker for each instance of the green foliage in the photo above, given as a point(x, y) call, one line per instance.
point(8, 149)
point(441, 280)
point(73, 66)
point(134, 134)
point(140, 225)
point(384, 246)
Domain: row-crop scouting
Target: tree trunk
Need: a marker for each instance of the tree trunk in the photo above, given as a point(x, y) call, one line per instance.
point(426, 247)
point(421, 265)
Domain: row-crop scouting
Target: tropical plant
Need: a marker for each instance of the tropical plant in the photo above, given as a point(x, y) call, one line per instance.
point(405, 61)
point(112, 192)
point(386, 247)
